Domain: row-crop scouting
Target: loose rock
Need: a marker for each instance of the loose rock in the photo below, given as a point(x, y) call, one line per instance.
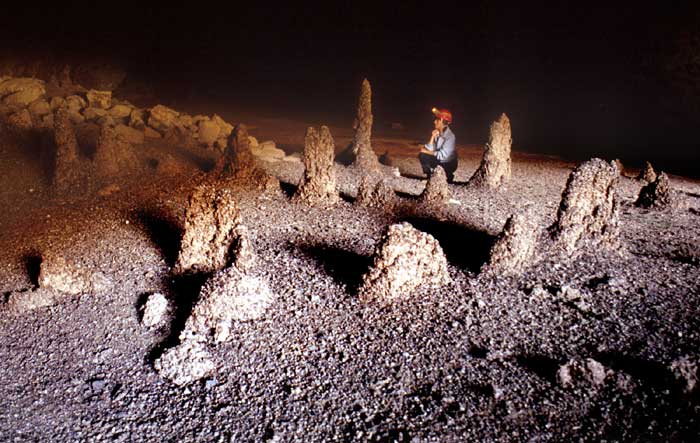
point(157, 311)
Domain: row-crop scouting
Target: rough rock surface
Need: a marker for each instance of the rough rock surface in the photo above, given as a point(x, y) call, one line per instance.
point(686, 369)
point(162, 118)
point(515, 247)
point(114, 156)
point(211, 220)
point(647, 174)
point(68, 277)
point(436, 193)
point(230, 295)
point(586, 373)
point(405, 259)
point(185, 363)
point(21, 91)
point(67, 167)
point(376, 192)
point(99, 99)
point(157, 311)
point(208, 132)
point(21, 120)
point(237, 164)
point(318, 185)
point(656, 194)
point(495, 169)
point(362, 144)
point(589, 210)
point(22, 301)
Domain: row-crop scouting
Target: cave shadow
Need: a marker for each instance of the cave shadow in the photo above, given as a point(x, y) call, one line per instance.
point(165, 232)
point(464, 246)
point(545, 367)
point(652, 373)
point(345, 267)
point(346, 157)
point(185, 291)
point(32, 264)
point(288, 188)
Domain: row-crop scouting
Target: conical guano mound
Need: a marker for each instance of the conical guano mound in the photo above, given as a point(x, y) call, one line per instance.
point(589, 210)
point(318, 186)
point(495, 166)
point(67, 167)
point(366, 158)
point(375, 192)
point(404, 260)
point(234, 294)
point(211, 220)
point(515, 246)
point(237, 164)
point(436, 193)
point(114, 156)
point(656, 194)
point(647, 174)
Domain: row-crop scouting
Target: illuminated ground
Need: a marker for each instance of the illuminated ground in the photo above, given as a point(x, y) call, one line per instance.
point(474, 361)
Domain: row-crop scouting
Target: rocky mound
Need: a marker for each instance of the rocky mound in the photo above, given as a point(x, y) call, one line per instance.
point(404, 260)
point(494, 169)
point(318, 186)
point(656, 194)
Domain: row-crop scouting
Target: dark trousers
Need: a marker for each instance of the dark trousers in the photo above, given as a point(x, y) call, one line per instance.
point(429, 162)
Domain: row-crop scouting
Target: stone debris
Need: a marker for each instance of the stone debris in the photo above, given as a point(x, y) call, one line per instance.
point(21, 91)
point(318, 186)
point(208, 132)
point(583, 373)
point(67, 166)
point(157, 311)
point(23, 301)
point(404, 260)
point(188, 362)
point(211, 220)
point(589, 210)
point(656, 194)
point(235, 294)
point(647, 174)
point(366, 159)
point(114, 156)
point(161, 118)
point(237, 165)
point(436, 193)
point(267, 151)
point(57, 273)
point(515, 247)
point(20, 120)
point(99, 99)
point(245, 257)
point(686, 370)
point(230, 295)
point(376, 192)
point(495, 167)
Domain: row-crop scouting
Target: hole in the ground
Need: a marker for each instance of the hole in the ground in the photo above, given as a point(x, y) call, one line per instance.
point(545, 367)
point(345, 267)
point(186, 289)
point(288, 188)
point(32, 264)
point(464, 246)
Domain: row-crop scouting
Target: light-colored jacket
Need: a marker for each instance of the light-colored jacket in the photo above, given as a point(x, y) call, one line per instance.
point(444, 146)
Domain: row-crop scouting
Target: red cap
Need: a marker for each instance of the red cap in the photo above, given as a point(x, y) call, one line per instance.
point(443, 114)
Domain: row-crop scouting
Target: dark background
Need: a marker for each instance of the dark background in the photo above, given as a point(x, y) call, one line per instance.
point(578, 79)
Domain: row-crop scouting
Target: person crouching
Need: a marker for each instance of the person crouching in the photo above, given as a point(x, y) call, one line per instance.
point(441, 150)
